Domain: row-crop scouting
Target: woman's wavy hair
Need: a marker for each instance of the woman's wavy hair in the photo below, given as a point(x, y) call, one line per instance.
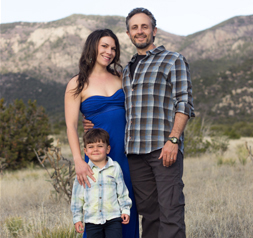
point(89, 57)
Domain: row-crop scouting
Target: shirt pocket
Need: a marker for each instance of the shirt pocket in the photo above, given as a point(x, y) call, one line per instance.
point(110, 180)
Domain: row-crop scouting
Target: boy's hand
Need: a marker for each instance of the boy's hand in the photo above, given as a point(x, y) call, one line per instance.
point(79, 227)
point(87, 124)
point(125, 218)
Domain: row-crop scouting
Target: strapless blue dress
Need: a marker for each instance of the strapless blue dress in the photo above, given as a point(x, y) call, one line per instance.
point(108, 113)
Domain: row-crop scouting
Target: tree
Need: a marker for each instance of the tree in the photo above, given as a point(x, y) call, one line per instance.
point(22, 129)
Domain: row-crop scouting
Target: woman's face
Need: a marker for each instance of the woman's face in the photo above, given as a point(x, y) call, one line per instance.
point(106, 51)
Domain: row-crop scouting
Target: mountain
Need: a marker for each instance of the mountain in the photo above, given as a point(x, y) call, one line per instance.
point(38, 59)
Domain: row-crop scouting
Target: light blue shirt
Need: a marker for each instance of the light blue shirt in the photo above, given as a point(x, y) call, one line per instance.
point(107, 198)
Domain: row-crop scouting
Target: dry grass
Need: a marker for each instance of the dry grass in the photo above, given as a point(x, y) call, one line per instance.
point(219, 199)
point(27, 195)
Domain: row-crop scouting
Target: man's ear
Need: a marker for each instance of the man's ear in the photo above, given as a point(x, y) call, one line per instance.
point(155, 31)
point(84, 150)
point(128, 34)
point(108, 149)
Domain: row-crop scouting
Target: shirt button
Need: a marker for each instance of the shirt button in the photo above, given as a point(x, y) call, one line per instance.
point(100, 197)
point(100, 184)
point(100, 211)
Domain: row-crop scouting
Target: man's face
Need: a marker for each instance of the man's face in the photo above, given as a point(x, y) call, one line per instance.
point(140, 31)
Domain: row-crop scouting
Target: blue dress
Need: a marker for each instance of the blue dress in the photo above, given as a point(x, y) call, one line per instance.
point(108, 113)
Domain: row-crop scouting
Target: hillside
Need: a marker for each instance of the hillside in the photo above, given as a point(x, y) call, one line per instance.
point(38, 59)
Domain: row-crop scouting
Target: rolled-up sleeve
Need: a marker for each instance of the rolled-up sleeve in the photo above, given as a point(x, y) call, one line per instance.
point(77, 202)
point(125, 202)
point(182, 85)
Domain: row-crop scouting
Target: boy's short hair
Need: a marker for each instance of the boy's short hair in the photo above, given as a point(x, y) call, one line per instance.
point(96, 135)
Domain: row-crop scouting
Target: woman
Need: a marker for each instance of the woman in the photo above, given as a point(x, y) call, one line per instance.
point(97, 92)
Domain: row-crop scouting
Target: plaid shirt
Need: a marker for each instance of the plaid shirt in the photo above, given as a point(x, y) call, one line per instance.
point(161, 87)
point(105, 199)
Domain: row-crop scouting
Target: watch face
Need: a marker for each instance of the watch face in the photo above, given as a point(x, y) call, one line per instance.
point(174, 140)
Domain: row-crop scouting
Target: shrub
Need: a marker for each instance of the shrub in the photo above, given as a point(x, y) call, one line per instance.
point(242, 154)
point(22, 128)
point(14, 225)
point(62, 176)
point(199, 139)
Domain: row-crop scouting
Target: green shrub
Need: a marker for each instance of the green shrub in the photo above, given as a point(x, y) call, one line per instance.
point(22, 128)
point(200, 139)
point(59, 232)
point(14, 225)
point(222, 161)
point(242, 154)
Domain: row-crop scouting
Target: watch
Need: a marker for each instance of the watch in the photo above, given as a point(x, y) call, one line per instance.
point(174, 140)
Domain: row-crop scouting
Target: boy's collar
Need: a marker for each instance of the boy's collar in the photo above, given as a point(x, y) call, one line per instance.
point(108, 164)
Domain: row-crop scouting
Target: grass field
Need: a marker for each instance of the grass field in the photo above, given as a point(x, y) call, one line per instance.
point(218, 192)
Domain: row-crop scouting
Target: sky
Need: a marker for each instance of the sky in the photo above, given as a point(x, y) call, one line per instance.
point(181, 17)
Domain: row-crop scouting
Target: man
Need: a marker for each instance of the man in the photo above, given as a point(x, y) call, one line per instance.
point(158, 105)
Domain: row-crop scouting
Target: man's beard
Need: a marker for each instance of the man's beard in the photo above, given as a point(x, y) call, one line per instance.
point(141, 45)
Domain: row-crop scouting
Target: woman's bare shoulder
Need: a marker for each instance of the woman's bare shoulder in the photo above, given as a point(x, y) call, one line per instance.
point(72, 83)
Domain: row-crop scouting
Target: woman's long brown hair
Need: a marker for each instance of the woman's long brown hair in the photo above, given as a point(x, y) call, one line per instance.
point(89, 56)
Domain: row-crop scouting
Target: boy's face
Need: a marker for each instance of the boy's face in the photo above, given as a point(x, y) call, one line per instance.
point(97, 151)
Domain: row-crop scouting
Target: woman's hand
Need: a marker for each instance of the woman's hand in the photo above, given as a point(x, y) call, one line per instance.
point(83, 171)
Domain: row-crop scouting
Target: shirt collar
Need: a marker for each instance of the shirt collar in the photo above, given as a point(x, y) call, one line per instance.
point(154, 51)
point(108, 164)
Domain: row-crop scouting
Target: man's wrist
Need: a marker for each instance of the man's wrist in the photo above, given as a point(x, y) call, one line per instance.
point(173, 140)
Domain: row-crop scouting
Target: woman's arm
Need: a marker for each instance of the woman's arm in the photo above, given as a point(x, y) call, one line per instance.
point(72, 105)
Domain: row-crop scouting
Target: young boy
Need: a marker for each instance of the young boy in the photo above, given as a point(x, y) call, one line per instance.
point(106, 203)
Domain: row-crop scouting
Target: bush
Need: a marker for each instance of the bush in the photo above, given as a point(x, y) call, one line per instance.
point(22, 129)
point(199, 139)
point(242, 154)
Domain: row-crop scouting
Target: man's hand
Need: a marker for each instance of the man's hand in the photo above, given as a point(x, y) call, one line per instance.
point(79, 227)
point(169, 153)
point(82, 171)
point(125, 218)
point(87, 125)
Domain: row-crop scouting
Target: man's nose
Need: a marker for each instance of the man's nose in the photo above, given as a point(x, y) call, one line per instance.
point(139, 30)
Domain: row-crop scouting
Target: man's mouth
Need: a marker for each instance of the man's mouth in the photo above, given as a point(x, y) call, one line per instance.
point(140, 37)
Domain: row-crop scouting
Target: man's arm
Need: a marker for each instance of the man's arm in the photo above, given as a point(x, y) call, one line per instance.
point(183, 103)
point(170, 150)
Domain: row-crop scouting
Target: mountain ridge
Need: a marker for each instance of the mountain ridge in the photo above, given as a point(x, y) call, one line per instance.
point(220, 59)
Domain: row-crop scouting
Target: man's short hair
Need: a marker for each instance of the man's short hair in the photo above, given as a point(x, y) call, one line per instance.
point(141, 10)
point(96, 135)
